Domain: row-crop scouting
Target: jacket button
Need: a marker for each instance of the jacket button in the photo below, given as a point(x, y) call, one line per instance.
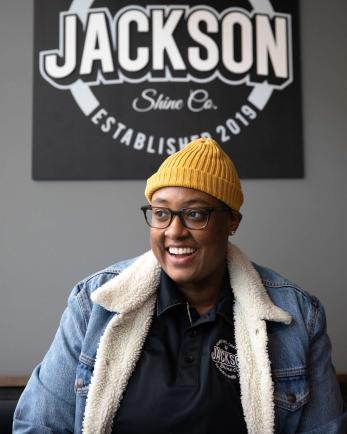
point(291, 398)
point(79, 382)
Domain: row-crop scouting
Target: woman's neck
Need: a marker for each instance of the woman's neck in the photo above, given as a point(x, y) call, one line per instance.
point(202, 296)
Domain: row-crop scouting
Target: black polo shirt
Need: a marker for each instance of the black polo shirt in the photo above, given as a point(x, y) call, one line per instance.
point(186, 380)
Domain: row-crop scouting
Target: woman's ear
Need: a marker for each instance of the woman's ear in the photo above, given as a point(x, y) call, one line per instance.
point(235, 219)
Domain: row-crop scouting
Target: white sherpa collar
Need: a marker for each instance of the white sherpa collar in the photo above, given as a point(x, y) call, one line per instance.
point(132, 294)
point(132, 287)
point(128, 291)
point(249, 290)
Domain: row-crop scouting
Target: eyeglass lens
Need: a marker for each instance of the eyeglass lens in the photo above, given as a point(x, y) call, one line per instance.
point(192, 218)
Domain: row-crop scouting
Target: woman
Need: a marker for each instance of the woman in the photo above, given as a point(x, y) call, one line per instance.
point(190, 337)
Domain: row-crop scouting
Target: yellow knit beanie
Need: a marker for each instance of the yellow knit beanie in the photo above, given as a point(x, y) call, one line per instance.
point(204, 166)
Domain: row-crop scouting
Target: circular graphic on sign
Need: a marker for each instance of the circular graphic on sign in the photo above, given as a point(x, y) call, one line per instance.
point(85, 98)
point(152, 77)
point(259, 95)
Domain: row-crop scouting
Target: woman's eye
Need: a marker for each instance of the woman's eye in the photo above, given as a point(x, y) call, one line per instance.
point(195, 214)
point(160, 213)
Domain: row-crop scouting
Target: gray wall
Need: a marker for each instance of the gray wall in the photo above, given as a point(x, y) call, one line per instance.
point(54, 233)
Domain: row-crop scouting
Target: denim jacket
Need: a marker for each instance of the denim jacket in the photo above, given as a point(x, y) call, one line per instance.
point(288, 384)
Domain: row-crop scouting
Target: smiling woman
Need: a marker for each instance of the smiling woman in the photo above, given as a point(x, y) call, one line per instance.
point(193, 258)
point(191, 337)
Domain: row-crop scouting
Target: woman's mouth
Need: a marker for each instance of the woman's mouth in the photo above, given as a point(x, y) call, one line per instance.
point(181, 251)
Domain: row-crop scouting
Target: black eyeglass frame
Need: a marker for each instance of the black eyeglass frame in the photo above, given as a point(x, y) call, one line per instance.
point(179, 213)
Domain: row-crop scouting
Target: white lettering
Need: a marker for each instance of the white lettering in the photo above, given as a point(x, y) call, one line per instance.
point(183, 142)
point(120, 128)
point(199, 100)
point(163, 41)
point(99, 115)
point(170, 142)
point(150, 101)
point(160, 147)
point(150, 148)
point(142, 53)
point(106, 127)
point(194, 53)
point(126, 139)
point(69, 33)
point(270, 46)
point(139, 142)
point(97, 46)
point(228, 42)
point(226, 45)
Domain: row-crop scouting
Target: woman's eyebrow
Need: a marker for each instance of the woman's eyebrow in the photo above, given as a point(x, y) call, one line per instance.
point(185, 204)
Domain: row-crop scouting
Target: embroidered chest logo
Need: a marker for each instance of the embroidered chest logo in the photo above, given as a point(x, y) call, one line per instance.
point(225, 358)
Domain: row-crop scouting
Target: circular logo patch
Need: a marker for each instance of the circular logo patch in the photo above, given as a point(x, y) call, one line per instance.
point(225, 358)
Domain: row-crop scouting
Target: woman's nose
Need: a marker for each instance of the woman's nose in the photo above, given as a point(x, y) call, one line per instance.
point(176, 229)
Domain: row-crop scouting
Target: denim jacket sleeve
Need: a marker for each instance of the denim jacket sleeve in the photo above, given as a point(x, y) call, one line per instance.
point(47, 404)
point(325, 413)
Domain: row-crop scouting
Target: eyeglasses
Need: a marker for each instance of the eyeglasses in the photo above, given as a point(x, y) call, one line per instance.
point(191, 218)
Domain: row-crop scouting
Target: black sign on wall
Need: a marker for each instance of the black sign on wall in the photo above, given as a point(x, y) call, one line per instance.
point(118, 87)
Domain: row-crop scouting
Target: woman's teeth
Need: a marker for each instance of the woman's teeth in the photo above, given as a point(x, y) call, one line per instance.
point(181, 250)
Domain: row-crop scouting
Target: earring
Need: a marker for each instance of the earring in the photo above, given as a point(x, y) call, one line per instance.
point(232, 233)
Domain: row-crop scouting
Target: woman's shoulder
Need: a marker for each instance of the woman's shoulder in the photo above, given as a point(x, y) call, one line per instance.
point(92, 282)
point(273, 280)
point(291, 297)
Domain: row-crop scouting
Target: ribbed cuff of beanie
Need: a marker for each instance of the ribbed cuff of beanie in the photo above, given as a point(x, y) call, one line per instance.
point(186, 177)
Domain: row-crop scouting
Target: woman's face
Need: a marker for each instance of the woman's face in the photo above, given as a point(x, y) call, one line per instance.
point(204, 258)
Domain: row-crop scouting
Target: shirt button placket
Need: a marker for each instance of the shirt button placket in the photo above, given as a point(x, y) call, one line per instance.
point(188, 368)
point(189, 358)
point(194, 333)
